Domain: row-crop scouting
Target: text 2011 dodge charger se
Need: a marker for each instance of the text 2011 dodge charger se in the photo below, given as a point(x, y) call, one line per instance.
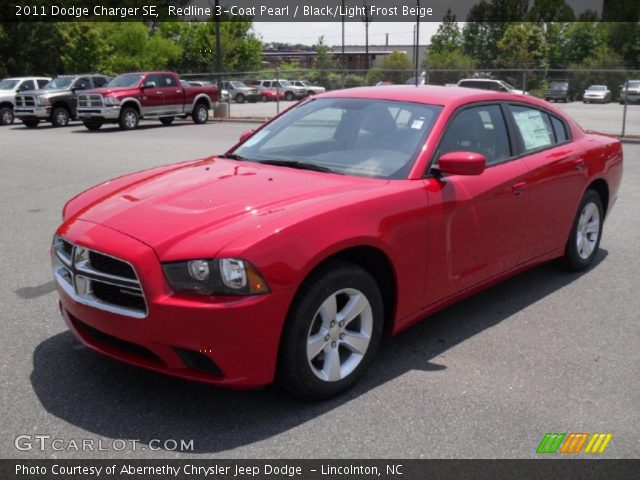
point(354, 213)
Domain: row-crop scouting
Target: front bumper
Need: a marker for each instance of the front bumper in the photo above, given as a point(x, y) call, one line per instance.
point(632, 97)
point(231, 341)
point(32, 113)
point(99, 113)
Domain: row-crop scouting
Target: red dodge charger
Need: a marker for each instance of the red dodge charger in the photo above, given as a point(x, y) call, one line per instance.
point(354, 213)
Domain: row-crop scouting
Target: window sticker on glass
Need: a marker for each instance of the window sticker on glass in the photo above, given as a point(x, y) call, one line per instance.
point(417, 123)
point(256, 138)
point(533, 129)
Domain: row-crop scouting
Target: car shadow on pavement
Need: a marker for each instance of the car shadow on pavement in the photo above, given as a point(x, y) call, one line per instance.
point(115, 400)
point(113, 127)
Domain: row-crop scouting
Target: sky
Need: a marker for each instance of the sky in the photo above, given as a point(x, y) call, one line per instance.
point(307, 33)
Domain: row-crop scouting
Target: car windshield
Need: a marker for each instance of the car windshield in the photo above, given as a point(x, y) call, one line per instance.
point(508, 86)
point(238, 85)
point(559, 85)
point(634, 84)
point(60, 82)
point(354, 136)
point(597, 88)
point(285, 83)
point(127, 80)
point(8, 84)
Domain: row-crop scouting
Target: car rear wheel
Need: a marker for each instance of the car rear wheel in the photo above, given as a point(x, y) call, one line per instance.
point(200, 113)
point(288, 96)
point(167, 120)
point(60, 117)
point(332, 332)
point(6, 116)
point(240, 98)
point(584, 240)
point(31, 123)
point(263, 98)
point(129, 118)
point(92, 125)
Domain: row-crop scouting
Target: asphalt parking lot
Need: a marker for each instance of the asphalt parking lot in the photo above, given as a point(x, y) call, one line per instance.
point(546, 351)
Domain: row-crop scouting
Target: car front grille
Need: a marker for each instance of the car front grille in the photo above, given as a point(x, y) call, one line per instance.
point(97, 279)
point(88, 101)
point(25, 101)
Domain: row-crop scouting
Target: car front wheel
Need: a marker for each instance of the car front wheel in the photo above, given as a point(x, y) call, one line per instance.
point(6, 116)
point(129, 118)
point(332, 332)
point(60, 117)
point(288, 96)
point(584, 240)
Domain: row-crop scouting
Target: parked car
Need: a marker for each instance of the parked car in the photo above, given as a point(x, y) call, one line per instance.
point(360, 212)
point(224, 94)
point(270, 94)
point(631, 90)
point(8, 89)
point(597, 93)
point(145, 95)
point(240, 93)
point(558, 91)
point(57, 101)
point(291, 92)
point(489, 84)
point(421, 80)
point(311, 89)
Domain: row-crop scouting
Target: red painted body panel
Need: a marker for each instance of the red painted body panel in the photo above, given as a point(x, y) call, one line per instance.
point(445, 238)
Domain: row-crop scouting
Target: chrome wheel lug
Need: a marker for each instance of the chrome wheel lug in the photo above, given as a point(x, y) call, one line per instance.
point(332, 324)
point(326, 337)
point(333, 344)
point(342, 336)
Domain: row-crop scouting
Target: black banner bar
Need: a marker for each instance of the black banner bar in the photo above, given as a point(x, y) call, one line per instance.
point(583, 469)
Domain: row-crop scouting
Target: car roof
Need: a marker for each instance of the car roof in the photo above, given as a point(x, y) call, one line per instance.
point(478, 80)
point(26, 78)
point(429, 94)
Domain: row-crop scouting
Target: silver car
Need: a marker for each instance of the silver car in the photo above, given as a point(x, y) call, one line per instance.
point(8, 89)
point(597, 94)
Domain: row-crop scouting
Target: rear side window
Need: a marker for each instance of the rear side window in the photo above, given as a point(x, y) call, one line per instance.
point(480, 129)
point(42, 83)
point(27, 85)
point(167, 81)
point(534, 126)
point(83, 83)
point(99, 81)
point(559, 129)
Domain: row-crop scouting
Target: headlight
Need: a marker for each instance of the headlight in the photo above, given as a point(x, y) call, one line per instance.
point(44, 101)
point(111, 101)
point(224, 276)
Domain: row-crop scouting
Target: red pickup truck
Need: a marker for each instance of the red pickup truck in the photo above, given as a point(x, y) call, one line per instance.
point(132, 96)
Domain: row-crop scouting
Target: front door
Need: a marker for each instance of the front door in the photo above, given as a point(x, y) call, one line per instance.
point(476, 223)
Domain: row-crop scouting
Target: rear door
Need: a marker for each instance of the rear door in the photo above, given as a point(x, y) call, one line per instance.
point(173, 94)
point(558, 172)
point(476, 223)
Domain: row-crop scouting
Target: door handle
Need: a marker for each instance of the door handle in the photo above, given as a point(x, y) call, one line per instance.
point(579, 164)
point(158, 92)
point(519, 188)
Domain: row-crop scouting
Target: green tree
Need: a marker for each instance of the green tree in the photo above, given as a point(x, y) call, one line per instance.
point(394, 68)
point(459, 64)
point(448, 37)
point(522, 46)
point(84, 46)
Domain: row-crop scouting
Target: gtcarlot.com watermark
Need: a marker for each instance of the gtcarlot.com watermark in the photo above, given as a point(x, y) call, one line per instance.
point(27, 442)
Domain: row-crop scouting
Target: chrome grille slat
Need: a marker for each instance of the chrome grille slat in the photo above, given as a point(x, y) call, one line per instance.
point(25, 101)
point(90, 100)
point(94, 287)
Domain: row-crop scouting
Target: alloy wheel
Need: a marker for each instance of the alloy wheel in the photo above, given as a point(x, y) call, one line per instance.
point(588, 230)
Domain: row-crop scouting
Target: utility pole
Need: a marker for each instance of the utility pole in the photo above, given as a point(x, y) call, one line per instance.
point(218, 41)
point(343, 62)
point(417, 41)
point(366, 18)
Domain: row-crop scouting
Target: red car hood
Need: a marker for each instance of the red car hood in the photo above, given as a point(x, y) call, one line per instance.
point(209, 203)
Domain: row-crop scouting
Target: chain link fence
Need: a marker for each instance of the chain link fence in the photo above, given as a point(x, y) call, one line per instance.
point(620, 115)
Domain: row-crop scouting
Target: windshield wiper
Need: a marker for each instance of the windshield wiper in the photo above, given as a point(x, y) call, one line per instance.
point(301, 165)
point(232, 156)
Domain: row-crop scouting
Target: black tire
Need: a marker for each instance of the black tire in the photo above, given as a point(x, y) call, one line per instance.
point(60, 117)
point(200, 113)
point(263, 98)
point(575, 257)
point(31, 123)
point(6, 116)
point(129, 118)
point(92, 125)
point(167, 120)
point(295, 373)
point(288, 96)
point(240, 98)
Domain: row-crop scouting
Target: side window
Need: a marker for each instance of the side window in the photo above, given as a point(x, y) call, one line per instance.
point(167, 81)
point(534, 126)
point(26, 85)
point(42, 82)
point(153, 78)
point(83, 83)
point(99, 82)
point(480, 129)
point(266, 84)
point(559, 129)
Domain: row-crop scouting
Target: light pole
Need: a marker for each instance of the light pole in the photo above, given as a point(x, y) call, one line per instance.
point(417, 64)
point(366, 18)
